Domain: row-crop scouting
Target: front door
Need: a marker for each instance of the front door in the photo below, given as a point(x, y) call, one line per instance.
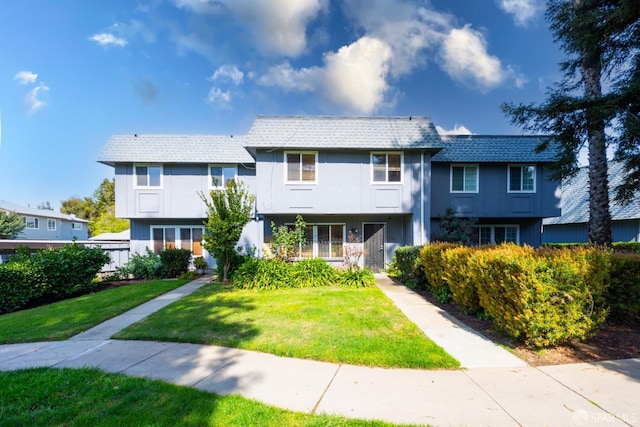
point(374, 246)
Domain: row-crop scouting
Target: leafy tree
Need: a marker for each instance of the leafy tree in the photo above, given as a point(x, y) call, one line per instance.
point(287, 241)
point(82, 208)
point(45, 206)
point(11, 224)
point(229, 210)
point(600, 38)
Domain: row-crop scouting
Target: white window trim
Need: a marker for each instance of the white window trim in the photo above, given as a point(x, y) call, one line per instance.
point(223, 166)
point(386, 181)
point(521, 166)
point(178, 239)
point(36, 222)
point(76, 226)
point(135, 176)
point(286, 168)
point(464, 165)
point(493, 231)
point(314, 244)
point(51, 221)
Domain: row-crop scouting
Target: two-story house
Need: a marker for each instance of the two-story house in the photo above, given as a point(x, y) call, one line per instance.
point(383, 179)
point(46, 224)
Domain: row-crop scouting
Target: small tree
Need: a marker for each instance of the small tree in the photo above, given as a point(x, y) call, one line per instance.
point(287, 241)
point(353, 251)
point(11, 224)
point(457, 230)
point(229, 211)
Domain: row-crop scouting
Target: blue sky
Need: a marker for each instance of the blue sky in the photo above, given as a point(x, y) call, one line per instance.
point(72, 72)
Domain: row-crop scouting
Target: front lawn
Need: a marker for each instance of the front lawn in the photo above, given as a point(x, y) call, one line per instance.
point(63, 319)
point(89, 397)
point(333, 324)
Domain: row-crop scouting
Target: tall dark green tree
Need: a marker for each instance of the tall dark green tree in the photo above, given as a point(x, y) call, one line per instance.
point(229, 210)
point(601, 41)
point(11, 224)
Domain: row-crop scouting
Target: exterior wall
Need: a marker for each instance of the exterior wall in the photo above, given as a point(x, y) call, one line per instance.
point(178, 196)
point(344, 187)
point(63, 231)
point(493, 199)
point(621, 231)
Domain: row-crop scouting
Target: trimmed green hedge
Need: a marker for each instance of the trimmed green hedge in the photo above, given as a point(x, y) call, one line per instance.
point(406, 267)
point(623, 294)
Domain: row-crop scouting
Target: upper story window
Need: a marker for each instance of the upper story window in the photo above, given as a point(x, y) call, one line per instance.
point(522, 179)
point(148, 175)
point(220, 175)
point(301, 166)
point(31, 222)
point(386, 167)
point(76, 226)
point(51, 224)
point(464, 178)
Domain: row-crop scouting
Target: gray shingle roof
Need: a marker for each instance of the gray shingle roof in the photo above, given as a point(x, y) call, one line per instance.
point(575, 198)
point(158, 148)
point(479, 149)
point(43, 213)
point(321, 132)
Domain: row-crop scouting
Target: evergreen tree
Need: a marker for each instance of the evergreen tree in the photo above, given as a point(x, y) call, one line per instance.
point(11, 224)
point(600, 38)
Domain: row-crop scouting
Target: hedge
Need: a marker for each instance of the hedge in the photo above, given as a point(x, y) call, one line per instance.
point(623, 294)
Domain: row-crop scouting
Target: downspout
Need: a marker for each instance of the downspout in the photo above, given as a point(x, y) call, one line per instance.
point(422, 197)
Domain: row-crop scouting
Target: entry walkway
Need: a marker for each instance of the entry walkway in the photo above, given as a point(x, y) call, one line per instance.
point(493, 389)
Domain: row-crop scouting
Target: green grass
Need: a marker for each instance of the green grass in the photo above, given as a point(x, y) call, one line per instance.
point(64, 319)
point(89, 397)
point(333, 324)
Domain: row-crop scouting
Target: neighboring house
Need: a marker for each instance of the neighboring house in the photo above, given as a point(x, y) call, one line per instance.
point(500, 181)
point(571, 226)
point(44, 224)
point(384, 179)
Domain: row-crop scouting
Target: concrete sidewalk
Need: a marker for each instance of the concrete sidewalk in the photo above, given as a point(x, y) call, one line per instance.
point(494, 389)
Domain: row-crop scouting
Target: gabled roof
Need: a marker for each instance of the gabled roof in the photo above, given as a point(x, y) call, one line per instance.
point(500, 148)
point(159, 148)
point(43, 213)
point(322, 132)
point(575, 198)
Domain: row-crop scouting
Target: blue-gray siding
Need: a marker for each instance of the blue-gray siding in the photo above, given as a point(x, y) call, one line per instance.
point(622, 231)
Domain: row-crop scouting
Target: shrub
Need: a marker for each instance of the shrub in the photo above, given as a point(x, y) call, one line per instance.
point(145, 267)
point(200, 263)
point(312, 273)
point(406, 266)
point(462, 285)
point(433, 267)
point(175, 262)
point(263, 274)
point(627, 247)
point(356, 278)
point(20, 282)
point(545, 298)
point(623, 294)
point(236, 259)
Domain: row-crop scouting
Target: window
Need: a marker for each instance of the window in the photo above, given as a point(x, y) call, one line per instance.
point(323, 241)
point(496, 234)
point(522, 179)
point(31, 222)
point(148, 176)
point(464, 178)
point(220, 175)
point(189, 238)
point(301, 167)
point(51, 224)
point(76, 226)
point(386, 167)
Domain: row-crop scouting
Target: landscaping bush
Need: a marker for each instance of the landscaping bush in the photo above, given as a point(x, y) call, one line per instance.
point(236, 259)
point(144, 267)
point(433, 267)
point(406, 266)
point(462, 285)
point(627, 247)
point(174, 262)
point(20, 282)
point(263, 274)
point(356, 278)
point(200, 263)
point(623, 294)
point(545, 298)
point(312, 273)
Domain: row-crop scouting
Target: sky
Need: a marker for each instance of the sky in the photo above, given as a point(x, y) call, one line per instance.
point(73, 72)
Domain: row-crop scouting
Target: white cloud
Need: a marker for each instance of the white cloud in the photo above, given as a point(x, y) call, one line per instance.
point(353, 78)
point(218, 97)
point(33, 101)
point(522, 11)
point(457, 130)
point(107, 39)
point(465, 58)
point(228, 71)
point(26, 77)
